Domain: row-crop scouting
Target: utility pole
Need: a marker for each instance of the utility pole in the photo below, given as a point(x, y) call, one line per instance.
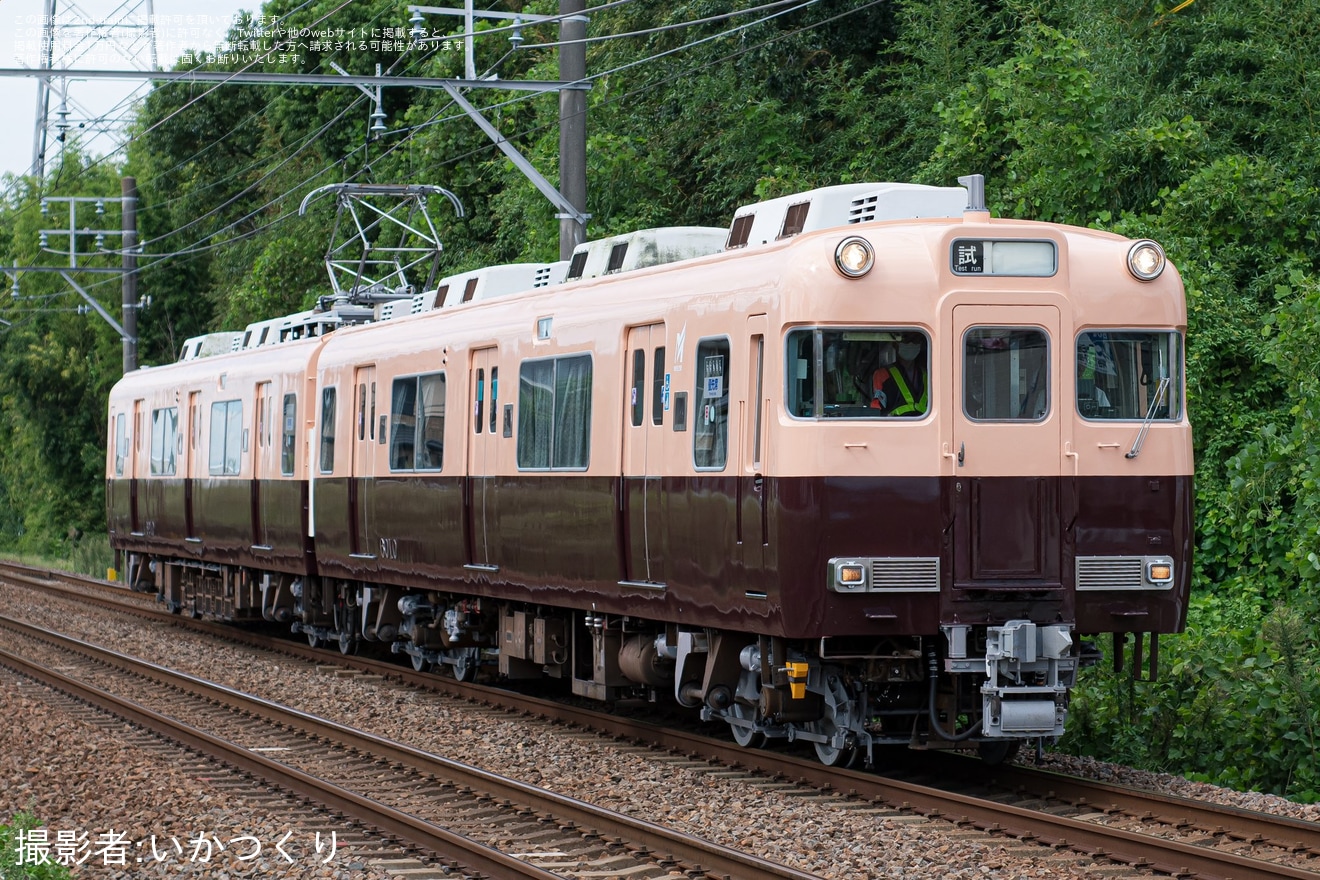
point(571, 196)
point(572, 125)
point(128, 224)
point(128, 269)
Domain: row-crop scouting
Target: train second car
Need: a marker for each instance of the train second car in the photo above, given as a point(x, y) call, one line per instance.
point(867, 467)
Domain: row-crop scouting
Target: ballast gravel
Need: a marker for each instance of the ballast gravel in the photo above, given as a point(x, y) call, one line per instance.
point(74, 775)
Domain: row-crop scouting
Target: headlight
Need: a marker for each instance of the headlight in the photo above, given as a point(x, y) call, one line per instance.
point(854, 257)
point(1145, 260)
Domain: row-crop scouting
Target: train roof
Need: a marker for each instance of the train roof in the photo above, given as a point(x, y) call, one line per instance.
point(754, 226)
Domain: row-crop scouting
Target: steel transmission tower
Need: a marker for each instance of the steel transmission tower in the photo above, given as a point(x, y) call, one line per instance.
point(70, 33)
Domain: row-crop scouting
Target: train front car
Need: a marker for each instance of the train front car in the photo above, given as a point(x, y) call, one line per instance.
point(982, 463)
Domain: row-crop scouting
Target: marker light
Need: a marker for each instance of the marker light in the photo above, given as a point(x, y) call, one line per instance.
point(850, 575)
point(854, 257)
point(1159, 572)
point(1145, 260)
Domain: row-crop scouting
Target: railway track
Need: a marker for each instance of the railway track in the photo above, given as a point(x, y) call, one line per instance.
point(440, 806)
point(1169, 835)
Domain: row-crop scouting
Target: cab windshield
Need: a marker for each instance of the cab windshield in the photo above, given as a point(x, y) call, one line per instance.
point(1129, 374)
point(858, 373)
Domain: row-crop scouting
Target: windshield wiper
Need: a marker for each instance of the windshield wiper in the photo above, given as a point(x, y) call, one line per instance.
point(1150, 417)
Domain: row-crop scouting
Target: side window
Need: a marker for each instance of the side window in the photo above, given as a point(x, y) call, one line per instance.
point(288, 434)
point(417, 423)
point(536, 410)
point(710, 438)
point(164, 431)
point(328, 430)
point(572, 443)
point(554, 413)
point(226, 437)
point(494, 397)
point(121, 443)
point(403, 423)
point(1006, 374)
point(431, 419)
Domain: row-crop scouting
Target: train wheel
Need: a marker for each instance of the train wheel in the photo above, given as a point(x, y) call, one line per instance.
point(838, 715)
point(313, 639)
point(465, 665)
point(347, 644)
point(419, 662)
point(827, 754)
point(745, 736)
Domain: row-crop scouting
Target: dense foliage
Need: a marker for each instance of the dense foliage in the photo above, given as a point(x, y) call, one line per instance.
point(22, 858)
point(1191, 123)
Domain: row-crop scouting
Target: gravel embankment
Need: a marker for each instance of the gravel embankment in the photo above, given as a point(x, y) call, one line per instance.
point(817, 837)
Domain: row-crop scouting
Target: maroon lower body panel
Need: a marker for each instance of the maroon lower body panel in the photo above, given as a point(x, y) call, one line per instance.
point(260, 525)
point(1004, 548)
point(719, 553)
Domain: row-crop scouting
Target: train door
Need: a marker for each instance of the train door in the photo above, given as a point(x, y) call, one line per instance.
point(263, 467)
point(190, 465)
point(484, 430)
point(643, 442)
point(751, 481)
point(1004, 447)
point(137, 464)
point(361, 487)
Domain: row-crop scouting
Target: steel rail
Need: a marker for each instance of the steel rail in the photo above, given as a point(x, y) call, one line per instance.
point(1172, 857)
point(707, 856)
point(389, 821)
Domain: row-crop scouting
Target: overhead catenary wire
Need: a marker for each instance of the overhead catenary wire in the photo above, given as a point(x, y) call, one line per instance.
point(165, 258)
point(453, 159)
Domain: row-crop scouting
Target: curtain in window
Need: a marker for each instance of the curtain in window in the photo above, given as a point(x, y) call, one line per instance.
point(536, 404)
point(572, 442)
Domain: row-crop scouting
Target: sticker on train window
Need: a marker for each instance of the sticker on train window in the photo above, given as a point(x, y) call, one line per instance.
point(987, 257)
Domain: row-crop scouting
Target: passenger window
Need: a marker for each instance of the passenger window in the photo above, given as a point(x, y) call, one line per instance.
point(164, 430)
point(403, 423)
point(1006, 374)
point(494, 397)
point(710, 438)
point(554, 413)
point(226, 437)
point(328, 430)
point(431, 418)
point(121, 443)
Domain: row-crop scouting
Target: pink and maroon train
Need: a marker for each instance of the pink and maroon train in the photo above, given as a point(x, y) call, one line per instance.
point(671, 468)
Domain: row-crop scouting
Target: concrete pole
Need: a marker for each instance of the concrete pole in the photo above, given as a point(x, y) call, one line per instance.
point(572, 123)
point(128, 188)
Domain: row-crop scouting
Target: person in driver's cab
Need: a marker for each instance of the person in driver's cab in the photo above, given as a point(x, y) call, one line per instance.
point(900, 389)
